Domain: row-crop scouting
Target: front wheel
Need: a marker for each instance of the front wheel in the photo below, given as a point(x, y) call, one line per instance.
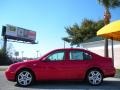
point(24, 78)
point(95, 77)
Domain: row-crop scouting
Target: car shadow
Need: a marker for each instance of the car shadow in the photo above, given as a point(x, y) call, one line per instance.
point(115, 85)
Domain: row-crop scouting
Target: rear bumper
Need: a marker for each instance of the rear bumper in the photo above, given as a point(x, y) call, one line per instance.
point(10, 75)
point(110, 72)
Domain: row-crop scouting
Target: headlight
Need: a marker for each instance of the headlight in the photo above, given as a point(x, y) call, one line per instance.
point(12, 67)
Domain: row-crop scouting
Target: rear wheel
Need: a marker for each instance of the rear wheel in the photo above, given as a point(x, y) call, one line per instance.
point(24, 78)
point(95, 77)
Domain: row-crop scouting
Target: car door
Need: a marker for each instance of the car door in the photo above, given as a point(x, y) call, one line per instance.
point(78, 63)
point(53, 67)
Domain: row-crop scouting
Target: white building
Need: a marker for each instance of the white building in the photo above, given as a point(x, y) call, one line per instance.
point(98, 47)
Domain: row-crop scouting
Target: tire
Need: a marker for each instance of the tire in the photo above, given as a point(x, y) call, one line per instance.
point(24, 78)
point(95, 77)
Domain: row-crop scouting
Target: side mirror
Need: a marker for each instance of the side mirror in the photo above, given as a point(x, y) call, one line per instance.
point(45, 60)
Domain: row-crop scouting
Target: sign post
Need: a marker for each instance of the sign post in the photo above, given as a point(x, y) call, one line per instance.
point(4, 38)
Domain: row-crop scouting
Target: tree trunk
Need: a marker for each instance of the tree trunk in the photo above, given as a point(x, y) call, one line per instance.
point(107, 17)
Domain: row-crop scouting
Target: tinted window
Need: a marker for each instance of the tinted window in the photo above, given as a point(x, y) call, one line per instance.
point(56, 56)
point(79, 55)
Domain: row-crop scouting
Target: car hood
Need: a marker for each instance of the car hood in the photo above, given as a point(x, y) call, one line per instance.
point(25, 62)
point(31, 60)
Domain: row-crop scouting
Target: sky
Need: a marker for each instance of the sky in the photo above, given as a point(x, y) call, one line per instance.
point(49, 19)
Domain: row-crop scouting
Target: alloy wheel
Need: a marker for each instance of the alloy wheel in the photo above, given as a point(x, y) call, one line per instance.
point(95, 77)
point(24, 78)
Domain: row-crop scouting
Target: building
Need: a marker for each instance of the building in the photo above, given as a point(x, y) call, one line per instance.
point(98, 47)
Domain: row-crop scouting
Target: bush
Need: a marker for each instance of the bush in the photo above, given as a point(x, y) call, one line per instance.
point(4, 58)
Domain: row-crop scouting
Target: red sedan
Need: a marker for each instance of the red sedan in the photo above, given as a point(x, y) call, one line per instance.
point(62, 64)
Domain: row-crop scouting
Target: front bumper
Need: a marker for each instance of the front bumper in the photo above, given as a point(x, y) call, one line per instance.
point(10, 75)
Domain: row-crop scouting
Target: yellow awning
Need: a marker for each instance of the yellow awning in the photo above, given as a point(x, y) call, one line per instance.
point(110, 31)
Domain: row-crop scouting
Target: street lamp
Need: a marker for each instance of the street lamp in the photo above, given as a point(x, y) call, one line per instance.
point(37, 53)
point(16, 54)
point(22, 54)
point(64, 44)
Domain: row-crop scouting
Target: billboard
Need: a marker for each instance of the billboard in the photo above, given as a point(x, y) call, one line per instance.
point(18, 33)
point(11, 31)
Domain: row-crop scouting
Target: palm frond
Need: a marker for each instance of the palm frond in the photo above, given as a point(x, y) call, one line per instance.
point(115, 3)
point(110, 3)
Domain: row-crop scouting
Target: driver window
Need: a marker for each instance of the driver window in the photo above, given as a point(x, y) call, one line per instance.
point(57, 56)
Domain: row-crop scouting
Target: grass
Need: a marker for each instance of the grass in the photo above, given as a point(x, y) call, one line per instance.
point(2, 69)
point(117, 73)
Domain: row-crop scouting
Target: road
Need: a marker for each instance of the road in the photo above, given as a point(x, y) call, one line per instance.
point(108, 84)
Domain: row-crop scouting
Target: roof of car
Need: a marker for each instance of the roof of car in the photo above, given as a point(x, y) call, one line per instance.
point(70, 49)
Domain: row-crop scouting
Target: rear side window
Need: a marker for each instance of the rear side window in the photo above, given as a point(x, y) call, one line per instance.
point(79, 55)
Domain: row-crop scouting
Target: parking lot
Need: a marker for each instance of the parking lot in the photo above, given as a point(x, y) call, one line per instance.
point(109, 83)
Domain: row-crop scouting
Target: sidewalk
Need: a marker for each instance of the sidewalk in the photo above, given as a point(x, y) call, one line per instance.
point(111, 79)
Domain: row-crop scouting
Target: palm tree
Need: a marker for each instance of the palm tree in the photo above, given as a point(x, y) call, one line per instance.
point(108, 4)
point(78, 34)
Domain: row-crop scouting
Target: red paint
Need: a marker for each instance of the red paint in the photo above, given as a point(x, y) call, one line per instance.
point(63, 70)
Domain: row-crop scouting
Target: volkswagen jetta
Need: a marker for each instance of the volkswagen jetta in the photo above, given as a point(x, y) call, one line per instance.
point(62, 64)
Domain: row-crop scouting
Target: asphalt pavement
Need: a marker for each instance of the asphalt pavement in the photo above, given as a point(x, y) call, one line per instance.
point(108, 84)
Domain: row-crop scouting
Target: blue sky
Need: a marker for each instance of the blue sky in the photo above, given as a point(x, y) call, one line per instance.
point(48, 18)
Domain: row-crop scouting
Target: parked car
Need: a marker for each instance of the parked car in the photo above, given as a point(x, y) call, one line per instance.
point(62, 64)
